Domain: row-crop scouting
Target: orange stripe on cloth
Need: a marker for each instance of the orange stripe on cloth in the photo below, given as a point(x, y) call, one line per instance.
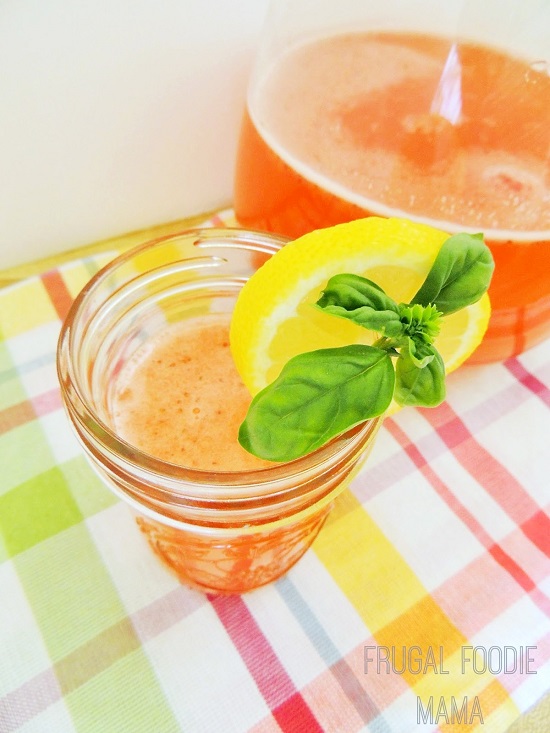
point(16, 415)
point(58, 292)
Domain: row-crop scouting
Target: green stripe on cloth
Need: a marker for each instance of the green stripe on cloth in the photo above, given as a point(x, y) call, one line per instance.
point(89, 492)
point(11, 391)
point(123, 698)
point(36, 510)
point(75, 600)
point(96, 655)
point(15, 448)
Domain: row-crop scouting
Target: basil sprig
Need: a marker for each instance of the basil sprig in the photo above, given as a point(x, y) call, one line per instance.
point(320, 394)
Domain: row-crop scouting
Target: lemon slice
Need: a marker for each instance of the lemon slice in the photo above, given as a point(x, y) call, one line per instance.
point(274, 319)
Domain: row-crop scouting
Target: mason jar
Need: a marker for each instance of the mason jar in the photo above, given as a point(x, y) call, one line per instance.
point(220, 531)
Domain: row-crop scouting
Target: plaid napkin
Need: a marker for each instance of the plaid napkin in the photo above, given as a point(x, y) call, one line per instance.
point(422, 606)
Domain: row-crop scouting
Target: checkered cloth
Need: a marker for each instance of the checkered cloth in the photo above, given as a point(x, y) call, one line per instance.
point(429, 580)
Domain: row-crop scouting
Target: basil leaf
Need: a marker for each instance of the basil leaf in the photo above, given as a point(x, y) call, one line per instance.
point(317, 396)
point(385, 322)
point(422, 386)
point(460, 274)
point(362, 301)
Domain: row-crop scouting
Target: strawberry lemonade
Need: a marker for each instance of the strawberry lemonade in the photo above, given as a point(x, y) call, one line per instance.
point(455, 135)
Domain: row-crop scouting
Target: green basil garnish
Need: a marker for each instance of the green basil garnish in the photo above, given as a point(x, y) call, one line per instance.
point(322, 393)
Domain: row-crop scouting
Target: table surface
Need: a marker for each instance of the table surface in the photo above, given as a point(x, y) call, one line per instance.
point(439, 548)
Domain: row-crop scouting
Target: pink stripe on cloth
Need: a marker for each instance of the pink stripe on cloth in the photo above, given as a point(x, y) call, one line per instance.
point(477, 594)
point(528, 380)
point(33, 697)
point(47, 402)
point(459, 509)
point(495, 478)
point(217, 221)
point(537, 528)
point(519, 575)
point(541, 600)
point(287, 705)
point(540, 652)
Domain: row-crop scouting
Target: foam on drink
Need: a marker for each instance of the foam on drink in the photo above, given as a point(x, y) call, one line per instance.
point(181, 399)
point(407, 123)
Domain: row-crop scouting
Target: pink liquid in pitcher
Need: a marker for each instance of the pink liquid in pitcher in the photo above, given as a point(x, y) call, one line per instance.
point(454, 135)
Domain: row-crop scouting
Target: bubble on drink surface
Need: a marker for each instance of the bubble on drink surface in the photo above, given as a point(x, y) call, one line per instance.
point(541, 66)
point(537, 73)
point(524, 191)
point(514, 180)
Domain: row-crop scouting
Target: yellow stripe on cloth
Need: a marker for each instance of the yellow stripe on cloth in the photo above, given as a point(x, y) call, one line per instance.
point(415, 638)
point(366, 566)
point(21, 313)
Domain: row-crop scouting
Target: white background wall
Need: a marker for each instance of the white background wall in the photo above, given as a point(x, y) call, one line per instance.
point(116, 115)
